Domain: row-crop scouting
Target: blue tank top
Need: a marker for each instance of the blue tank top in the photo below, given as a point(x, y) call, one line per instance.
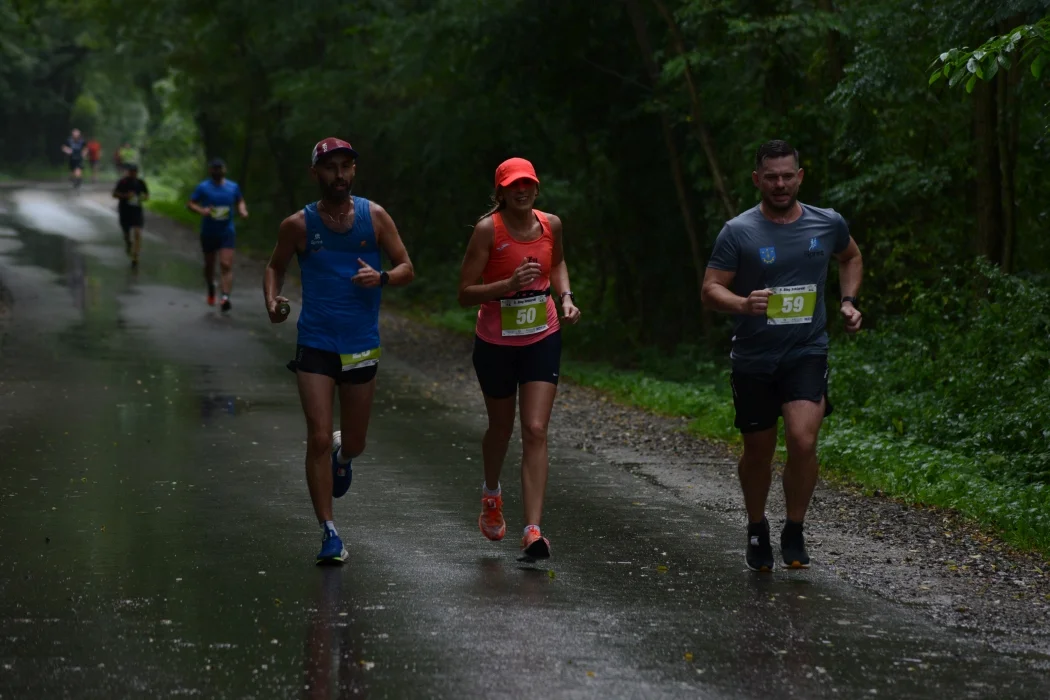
point(337, 315)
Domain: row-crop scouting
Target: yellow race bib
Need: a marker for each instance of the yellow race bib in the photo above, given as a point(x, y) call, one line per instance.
point(525, 316)
point(791, 305)
point(357, 360)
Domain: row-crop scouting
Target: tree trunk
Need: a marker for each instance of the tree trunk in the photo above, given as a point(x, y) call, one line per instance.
point(835, 64)
point(702, 134)
point(653, 71)
point(989, 191)
point(1007, 152)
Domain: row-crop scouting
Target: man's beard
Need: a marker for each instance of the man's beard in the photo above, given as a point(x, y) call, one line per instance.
point(332, 194)
point(781, 207)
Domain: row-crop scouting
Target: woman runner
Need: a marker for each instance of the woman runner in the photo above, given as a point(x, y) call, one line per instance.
point(516, 253)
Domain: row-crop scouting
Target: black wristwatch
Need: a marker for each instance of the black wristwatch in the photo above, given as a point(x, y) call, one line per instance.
point(852, 300)
point(567, 294)
point(384, 277)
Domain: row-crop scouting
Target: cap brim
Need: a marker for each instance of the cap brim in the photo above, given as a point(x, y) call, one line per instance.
point(511, 177)
point(343, 149)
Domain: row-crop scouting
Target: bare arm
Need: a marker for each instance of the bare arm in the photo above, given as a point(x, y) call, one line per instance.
point(471, 293)
point(390, 241)
point(291, 237)
point(242, 208)
point(851, 271)
point(560, 274)
point(716, 295)
point(196, 208)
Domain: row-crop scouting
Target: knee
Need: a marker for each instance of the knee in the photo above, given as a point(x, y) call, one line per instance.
point(533, 433)
point(353, 446)
point(319, 442)
point(801, 444)
point(499, 433)
point(226, 267)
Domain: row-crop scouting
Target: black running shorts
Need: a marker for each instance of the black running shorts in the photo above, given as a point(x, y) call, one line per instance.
point(314, 361)
point(501, 368)
point(130, 217)
point(758, 398)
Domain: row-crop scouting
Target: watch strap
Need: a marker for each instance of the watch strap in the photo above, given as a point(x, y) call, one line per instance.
point(852, 300)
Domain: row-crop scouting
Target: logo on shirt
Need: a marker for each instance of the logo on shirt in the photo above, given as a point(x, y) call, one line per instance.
point(814, 243)
point(768, 255)
point(814, 248)
point(501, 247)
point(316, 243)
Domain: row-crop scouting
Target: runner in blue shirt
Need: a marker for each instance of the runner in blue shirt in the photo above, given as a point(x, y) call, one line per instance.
point(75, 147)
point(215, 200)
point(338, 241)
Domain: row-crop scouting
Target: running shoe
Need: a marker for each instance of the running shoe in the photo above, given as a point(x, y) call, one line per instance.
point(534, 545)
point(491, 519)
point(793, 546)
point(226, 305)
point(342, 474)
point(332, 550)
point(759, 556)
point(211, 296)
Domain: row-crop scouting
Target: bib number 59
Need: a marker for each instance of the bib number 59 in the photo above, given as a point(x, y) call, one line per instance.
point(792, 304)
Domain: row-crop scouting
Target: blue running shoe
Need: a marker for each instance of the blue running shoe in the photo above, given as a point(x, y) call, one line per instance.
point(342, 474)
point(332, 550)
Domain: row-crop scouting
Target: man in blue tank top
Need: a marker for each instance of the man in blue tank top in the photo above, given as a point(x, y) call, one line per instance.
point(215, 200)
point(338, 240)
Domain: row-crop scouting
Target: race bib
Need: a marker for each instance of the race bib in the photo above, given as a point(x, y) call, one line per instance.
point(526, 316)
point(220, 213)
point(133, 200)
point(357, 360)
point(791, 305)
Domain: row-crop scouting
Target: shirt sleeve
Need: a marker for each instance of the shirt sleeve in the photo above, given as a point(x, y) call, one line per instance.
point(142, 187)
point(237, 197)
point(726, 255)
point(198, 194)
point(841, 234)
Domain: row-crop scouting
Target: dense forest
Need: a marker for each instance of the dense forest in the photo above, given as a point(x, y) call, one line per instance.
point(924, 123)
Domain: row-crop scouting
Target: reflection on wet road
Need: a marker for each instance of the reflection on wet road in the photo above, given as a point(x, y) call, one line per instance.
point(158, 538)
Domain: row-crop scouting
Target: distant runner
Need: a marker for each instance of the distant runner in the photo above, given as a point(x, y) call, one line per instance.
point(769, 268)
point(132, 192)
point(215, 200)
point(75, 148)
point(94, 154)
point(515, 268)
point(338, 242)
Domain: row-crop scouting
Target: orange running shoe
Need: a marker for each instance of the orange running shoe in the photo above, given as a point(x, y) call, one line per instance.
point(534, 545)
point(211, 300)
point(491, 519)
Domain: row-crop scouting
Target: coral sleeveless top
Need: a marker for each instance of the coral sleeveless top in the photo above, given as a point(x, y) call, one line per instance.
point(527, 316)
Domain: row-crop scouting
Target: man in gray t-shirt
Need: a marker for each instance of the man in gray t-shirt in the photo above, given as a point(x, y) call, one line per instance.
point(769, 268)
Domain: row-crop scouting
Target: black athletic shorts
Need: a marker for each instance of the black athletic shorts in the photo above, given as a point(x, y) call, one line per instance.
point(758, 398)
point(76, 162)
point(131, 218)
point(314, 361)
point(501, 368)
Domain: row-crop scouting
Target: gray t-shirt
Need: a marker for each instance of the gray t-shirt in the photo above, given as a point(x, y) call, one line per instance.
point(792, 259)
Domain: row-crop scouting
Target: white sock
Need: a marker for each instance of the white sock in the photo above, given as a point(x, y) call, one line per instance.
point(330, 525)
point(526, 530)
point(341, 458)
point(485, 490)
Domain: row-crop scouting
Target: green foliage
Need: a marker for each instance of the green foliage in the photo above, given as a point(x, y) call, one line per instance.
point(1031, 41)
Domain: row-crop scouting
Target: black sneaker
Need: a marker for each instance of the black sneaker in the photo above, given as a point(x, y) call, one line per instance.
point(226, 305)
point(759, 556)
point(793, 546)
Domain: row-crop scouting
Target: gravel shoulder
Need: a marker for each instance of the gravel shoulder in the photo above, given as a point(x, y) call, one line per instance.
point(928, 559)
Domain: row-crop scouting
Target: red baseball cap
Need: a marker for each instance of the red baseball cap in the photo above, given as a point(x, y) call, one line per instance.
point(331, 145)
point(515, 169)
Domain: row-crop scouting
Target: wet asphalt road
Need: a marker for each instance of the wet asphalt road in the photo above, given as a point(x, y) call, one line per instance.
point(157, 537)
